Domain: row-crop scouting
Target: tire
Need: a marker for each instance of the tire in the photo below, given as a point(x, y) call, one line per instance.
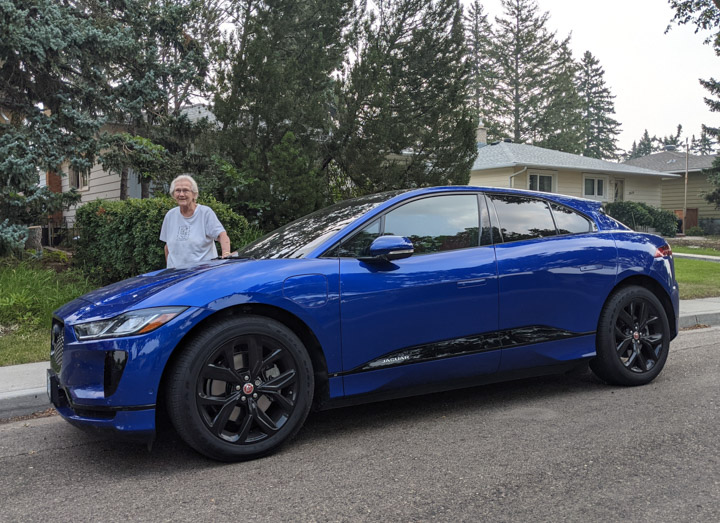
point(633, 338)
point(240, 389)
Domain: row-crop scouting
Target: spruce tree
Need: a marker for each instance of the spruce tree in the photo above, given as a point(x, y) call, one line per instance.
point(599, 128)
point(560, 124)
point(523, 54)
point(403, 115)
point(703, 145)
point(483, 76)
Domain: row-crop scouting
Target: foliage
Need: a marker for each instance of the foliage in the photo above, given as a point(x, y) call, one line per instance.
point(695, 230)
point(120, 239)
point(639, 214)
point(483, 76)
point(599, 128)
point(31, 292)
point(402, 115)
point(704, 145)
point(12, 238)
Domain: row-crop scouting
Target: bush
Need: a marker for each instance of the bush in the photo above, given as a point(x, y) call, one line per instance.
point(12, 238)
point(638, 214)
point(695, 231)
point(120, 239)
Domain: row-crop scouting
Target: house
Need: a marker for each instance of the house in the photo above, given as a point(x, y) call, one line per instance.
point(507, 164)
point(102, 184)
point(673, 189)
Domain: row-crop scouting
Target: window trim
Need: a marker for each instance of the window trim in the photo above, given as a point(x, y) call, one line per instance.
point(606, 183)
point(551, 174)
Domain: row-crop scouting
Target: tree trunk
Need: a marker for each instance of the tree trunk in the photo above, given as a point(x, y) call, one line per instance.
point(124, 184)
point(144, 188)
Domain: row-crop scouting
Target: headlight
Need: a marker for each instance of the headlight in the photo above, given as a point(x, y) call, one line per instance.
point(127, 324)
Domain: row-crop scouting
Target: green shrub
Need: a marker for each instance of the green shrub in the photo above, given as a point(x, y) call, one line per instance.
point(120, 239)
point(695, 231)
point(638, 214)
point(12, 238)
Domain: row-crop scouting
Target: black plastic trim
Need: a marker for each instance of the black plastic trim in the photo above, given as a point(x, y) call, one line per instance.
point(474, 344)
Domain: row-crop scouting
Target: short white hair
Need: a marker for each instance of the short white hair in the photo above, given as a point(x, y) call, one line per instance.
point(187, 178)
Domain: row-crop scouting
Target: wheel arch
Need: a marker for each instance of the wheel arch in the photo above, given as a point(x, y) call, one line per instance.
point(653, 286)
point(291, 321)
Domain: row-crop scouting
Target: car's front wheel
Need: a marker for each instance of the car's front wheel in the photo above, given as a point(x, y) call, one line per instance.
point(633, 338)
point(240, 389)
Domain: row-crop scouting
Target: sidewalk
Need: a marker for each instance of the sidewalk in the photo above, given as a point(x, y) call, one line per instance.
point(23, 387)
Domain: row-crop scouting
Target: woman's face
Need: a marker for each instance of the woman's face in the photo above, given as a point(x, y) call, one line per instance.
point(183, 194)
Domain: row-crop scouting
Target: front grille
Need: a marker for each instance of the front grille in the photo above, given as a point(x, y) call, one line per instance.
point(57, 345)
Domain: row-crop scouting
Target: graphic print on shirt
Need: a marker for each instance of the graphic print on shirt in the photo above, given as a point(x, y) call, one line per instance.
point(183, 233)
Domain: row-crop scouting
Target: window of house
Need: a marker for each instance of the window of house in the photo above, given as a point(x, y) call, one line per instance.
point(540, 182)
point(435, 224)
point(78, 180)
point(595, 187)
point(523, 218)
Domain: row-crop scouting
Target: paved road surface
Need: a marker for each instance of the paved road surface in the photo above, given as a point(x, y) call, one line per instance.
point(551, 449)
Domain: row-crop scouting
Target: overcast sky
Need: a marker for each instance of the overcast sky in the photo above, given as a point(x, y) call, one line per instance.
point(653, 75)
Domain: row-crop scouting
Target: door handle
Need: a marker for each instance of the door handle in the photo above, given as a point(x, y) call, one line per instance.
point(471, 283)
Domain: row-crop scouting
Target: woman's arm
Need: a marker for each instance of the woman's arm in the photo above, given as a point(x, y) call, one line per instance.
point(224, 240)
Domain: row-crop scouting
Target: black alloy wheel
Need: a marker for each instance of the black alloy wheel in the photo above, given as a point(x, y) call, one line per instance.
point(633, 338)
point(241, 388)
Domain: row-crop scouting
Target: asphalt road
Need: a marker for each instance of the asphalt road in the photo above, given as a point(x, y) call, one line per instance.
point(554, 449)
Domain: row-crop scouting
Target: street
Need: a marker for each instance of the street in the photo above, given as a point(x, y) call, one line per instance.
point(564, 448)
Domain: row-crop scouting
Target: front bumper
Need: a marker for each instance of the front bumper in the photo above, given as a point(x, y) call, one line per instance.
point(135, 423)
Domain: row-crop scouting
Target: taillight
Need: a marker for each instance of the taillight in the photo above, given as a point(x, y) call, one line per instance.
point(663, 252)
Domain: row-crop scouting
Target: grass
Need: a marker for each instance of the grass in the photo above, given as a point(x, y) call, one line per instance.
point(30, 293)
point(697, 278)
point(705, 251)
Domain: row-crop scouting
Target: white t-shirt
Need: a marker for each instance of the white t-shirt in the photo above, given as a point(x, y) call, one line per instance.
point(190, 240)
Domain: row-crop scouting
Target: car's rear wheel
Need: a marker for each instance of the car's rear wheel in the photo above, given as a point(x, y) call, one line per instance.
point(240, 389)
point(633, 338)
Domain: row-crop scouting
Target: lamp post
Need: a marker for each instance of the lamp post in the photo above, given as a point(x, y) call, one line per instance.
point(687, 146)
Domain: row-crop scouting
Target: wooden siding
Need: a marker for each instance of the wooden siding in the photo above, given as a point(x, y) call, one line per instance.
point(673, 195)
point(101, 185)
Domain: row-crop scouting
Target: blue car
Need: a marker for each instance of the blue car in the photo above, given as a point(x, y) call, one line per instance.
point(383, 296)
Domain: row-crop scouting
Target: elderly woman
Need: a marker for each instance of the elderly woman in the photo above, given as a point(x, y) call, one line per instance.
point(190, 229)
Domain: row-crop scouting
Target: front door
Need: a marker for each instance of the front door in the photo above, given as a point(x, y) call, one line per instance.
point(424, 313)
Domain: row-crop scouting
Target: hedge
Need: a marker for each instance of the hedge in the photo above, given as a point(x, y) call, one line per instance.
point(638, 214)
point(120, 239)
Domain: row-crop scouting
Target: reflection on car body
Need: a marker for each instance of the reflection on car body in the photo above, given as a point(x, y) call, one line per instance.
point(382, 296)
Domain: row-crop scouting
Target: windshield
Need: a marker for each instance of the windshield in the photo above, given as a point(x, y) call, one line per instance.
point(298, 238)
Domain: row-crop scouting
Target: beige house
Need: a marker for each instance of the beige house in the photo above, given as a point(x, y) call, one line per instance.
point(673, 190)
point(505, 164)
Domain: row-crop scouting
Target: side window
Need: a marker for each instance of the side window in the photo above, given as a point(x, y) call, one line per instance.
point(438, 223)
point(434, 224)
point(359, 244)
point(523, 218)
point(570, 222)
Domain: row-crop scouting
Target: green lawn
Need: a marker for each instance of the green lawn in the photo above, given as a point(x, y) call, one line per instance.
point(705, 251)
point(30, 293)
point(697, 278)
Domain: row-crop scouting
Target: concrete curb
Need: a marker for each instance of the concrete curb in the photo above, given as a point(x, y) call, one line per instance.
point(23, 402)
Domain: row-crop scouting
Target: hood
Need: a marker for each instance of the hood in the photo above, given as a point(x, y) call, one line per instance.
point(117, 297)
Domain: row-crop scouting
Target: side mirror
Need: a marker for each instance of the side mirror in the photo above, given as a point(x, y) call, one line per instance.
point(389, 248)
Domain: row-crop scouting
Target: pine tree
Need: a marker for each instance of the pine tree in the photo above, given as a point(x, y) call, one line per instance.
point(645, 146)
point(484, 78)
point(560, 124)
point(523, 52)
point(274, 94)
point(703, 145)
point(402, 114)
point(599, 128)
point(55, 64)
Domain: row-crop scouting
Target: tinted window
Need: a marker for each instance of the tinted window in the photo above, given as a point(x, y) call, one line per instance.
point(435, 224)
point(523, 218)
point(297, 239)
point(569, 221)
